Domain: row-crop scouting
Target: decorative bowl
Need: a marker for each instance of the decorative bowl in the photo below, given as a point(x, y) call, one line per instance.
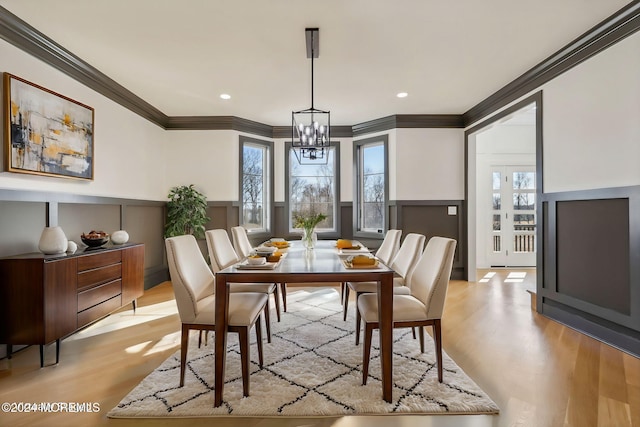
point(94, 238)
point(256, 260)
point(265, 250)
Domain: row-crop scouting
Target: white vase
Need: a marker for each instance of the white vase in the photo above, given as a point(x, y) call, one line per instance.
point(119, 237)
point(72, 247)
point(53, 241)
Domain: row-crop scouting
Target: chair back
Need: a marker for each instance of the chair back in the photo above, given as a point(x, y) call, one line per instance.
point(221, 252)
point(241, 242)
point(191, 277)
point(389, 247)
point(408, 254)
point(430, 278)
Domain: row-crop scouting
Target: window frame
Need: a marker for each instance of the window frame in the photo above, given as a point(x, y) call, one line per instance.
point(333, 234)
point(269, 179)
point(358, 146)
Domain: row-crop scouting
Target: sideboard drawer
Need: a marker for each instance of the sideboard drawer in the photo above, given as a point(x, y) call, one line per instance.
point(88, 262)
point(99, 294)
point(98, 311)
point(97, 276)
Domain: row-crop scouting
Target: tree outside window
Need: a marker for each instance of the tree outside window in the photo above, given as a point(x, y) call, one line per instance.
point(371, 185)
point(313, 190)
point(255, 185)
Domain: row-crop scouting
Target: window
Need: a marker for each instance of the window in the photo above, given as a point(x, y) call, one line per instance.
point(313, 188)
point(256, 184)
point(371, 193)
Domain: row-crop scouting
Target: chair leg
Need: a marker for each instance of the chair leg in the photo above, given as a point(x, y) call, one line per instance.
point(413, 331)
point(342, 286)
point(184, 345)
point(358, 319)
point(267, 321)
point(259, 341)
point(283, 289)
point(276, 298)
point(366, 351)
point(346, 302)
point(421, 334)
point(243, 337)
point(437, 337)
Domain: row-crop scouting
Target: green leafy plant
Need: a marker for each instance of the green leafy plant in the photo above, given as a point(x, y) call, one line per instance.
point(186, 212)
point(309, 222)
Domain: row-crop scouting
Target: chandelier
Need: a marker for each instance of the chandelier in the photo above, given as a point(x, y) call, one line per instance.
point(310, 128)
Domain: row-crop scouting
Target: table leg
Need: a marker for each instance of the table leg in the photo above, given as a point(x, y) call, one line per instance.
point(222, 308)
point(385, 315)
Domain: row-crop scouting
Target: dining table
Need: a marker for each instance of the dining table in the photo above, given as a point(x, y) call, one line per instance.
point(319, 265)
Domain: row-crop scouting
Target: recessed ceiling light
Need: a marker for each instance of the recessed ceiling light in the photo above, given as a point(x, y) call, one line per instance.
point(402, 95)
point(225, 96)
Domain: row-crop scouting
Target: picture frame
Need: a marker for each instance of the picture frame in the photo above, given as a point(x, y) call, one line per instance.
point(46, 133)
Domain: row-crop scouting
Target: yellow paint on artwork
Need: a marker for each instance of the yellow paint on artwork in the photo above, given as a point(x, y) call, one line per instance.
point(14, 109)
point(67, 120)
point(36, 138)
point(53, 151)
point(56, 131)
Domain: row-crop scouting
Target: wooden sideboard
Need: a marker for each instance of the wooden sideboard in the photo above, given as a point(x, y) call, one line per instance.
point(44, 298)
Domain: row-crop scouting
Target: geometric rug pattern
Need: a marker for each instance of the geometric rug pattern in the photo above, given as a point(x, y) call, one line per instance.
point(312, 368)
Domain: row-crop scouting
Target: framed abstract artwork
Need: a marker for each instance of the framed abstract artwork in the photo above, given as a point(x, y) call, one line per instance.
point(46, 133)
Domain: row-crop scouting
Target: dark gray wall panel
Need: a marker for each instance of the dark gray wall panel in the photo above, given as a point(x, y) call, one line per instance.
point(78, 218)
point(143, 225)
point(593, 252)
point(21, 225)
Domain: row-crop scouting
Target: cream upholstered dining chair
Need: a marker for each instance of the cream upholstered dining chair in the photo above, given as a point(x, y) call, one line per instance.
point(194, 286)
point(422, 307)
point(243, 248)
point(222, 255)
point(385, 253)
point(403, 264)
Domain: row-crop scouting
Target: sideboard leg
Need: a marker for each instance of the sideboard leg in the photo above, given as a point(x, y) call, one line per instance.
point(41, 355)
point(134, 304)
point(57, 350)
point(9, 350)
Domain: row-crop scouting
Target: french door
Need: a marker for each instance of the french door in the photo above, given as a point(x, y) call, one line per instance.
point(513, 220)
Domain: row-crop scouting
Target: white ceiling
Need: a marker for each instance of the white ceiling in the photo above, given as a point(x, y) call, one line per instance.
point(180, 55)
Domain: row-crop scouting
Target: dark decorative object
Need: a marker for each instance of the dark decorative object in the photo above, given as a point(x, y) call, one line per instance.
point(310, 128)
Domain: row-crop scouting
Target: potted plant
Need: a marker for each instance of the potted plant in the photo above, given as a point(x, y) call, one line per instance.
point(186, 212)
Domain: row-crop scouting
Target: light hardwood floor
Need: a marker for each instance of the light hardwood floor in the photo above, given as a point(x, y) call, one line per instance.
point(539, 372)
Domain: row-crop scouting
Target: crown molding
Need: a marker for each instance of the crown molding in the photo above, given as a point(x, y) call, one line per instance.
point(608, 32)
point(25, 37)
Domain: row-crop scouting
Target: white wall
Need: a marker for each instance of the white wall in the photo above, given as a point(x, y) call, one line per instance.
point(591, 124)
point(429, 164)
point(129, 158)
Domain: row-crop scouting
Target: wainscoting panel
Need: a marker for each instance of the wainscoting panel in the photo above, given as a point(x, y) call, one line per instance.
point(21, 225)
point(591, 263)
point(78, 218)
point(432, 218)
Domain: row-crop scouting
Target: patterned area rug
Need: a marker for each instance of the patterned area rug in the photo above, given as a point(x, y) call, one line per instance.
point(311, 368)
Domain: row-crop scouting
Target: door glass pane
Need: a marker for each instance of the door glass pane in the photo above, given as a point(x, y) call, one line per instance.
point(497, 222)
point(524, 201)
point(496, 244)
point(524, 180)
point(524, 243)
point(496, 202)
point(497, 180)
point(524, 222)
